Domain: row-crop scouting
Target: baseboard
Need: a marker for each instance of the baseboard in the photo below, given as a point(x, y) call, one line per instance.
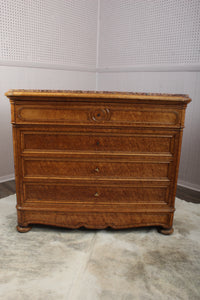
point(7, 178)
point(151, 68)
point(189, 185)
point(25, 64)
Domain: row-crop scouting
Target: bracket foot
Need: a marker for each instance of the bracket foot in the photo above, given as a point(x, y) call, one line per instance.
point(23, 229)
point(166, 231)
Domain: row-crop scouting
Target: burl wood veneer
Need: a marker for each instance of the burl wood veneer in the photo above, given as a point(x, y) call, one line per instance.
point(96, 159)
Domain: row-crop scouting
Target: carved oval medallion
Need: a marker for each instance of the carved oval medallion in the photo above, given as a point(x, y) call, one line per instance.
point(100, 114)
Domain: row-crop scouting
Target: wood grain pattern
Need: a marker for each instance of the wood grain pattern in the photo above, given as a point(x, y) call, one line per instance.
point(68, 169)
point(93, 115)
point(97, 142)
point(8, 188)
point(96, 159)
point(65, 193)
point(96, 220)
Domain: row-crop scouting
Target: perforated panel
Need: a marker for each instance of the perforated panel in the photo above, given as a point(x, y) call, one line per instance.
point(47, 31)
point(135, 32)
point(145, 32)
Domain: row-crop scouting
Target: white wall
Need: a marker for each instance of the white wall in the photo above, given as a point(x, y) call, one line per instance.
point(44, 44)
point(148, 32)
point(140, 45)
point(56, 33)
point(154, 46)
point(31, 78)
point(168, 82)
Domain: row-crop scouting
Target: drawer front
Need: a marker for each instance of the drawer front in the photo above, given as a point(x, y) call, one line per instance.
point(93, 169)
point(45, 193)
point(116, 115)
point(89, 142)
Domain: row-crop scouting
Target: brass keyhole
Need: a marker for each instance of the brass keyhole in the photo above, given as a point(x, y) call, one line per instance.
point(97, 170)
point(96, 194)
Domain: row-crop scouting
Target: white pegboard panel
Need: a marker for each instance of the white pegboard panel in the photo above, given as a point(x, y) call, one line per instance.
point(49, 32)
point(149, 32)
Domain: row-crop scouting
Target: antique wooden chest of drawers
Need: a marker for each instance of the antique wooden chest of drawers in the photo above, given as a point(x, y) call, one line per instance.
point(96, 159)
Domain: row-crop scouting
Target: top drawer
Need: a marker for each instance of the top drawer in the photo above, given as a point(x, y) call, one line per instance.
point(108, 114)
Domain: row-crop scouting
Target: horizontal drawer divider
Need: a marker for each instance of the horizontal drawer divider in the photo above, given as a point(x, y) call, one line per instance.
point(91, 132)
point(95, 180)
point(103, 158)
point(121, 155)
point(85, 129)
point(98, 208)
point(119, 183)
point(38, 203)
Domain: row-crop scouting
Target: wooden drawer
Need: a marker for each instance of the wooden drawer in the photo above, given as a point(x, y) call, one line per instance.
point(114, 115)
point(93, 169)
point(87, 142)
point(49, 193)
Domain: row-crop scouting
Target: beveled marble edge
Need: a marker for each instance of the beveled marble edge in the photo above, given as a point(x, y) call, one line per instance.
point(97, 94)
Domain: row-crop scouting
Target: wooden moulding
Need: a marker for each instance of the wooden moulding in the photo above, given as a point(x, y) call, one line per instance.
point(93, 220)
point(96, 94)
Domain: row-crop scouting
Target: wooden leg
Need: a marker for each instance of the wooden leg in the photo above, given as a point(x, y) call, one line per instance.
point(23, 228)
point(166, 231)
